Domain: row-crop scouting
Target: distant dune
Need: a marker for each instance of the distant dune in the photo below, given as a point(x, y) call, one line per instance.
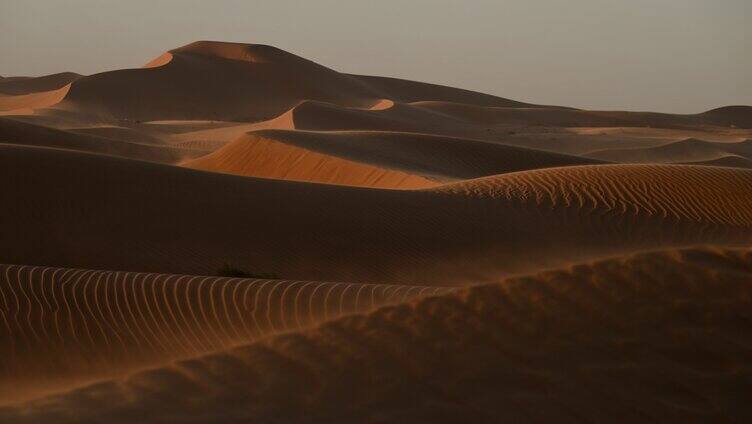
point(651, 337)
point(689, 150)
point(234, 233)
point(88, 140)
point(26, 85)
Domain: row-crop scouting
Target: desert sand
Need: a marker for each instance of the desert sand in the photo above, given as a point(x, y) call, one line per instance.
point(235, 233)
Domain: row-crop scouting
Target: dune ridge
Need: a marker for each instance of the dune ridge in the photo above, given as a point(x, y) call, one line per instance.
point(74, 325)
point(687, 150)
point(259, 156)
point(699, 194)
point(548, 346)
point(23, 133)
point(388, 159)
point(26, 85)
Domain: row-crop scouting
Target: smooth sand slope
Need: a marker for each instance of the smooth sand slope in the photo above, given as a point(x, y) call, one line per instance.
point(26, 103)
point(158, 218)
point(65, 327)
point(13, 131)
point(27, 85)
point(372, 158)
point(260, 156)
point(656, 337)
point(20, 95)
point(688, 150)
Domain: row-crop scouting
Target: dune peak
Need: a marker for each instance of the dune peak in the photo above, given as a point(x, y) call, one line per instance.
point(254, 53)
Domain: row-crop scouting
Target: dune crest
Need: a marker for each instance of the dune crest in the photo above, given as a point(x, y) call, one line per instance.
point(258, 156)
point(68, 326)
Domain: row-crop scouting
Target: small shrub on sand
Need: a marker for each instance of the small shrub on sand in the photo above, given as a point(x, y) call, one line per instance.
point(229, 270)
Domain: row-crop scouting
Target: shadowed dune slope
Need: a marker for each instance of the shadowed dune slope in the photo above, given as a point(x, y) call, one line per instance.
point(27, 85)
point(279, 153)
point(406, 91)
point(729, 161)
point(738, 116)
point(484, 123)
point(689, 150)
point(213, 80)
point(232, 81)
point(22, 133)
point(183, 221)
point(655, 337)
point(21, 95)
point(61, 327)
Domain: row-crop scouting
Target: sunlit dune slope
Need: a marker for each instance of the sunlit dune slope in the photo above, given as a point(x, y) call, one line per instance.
point(372, 158)
point(260, 156)
point(24, 104)
point(62, 327)
point(655, 337)
point(149, 217)
point(20, 95)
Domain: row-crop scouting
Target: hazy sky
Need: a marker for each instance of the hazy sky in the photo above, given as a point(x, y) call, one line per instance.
point(663, 55)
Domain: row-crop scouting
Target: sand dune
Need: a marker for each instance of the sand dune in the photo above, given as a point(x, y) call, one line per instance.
point(130, 134)
point(25, 104)
point(405, 91)
point(658, 337)
point(21, 95)
point(260, 156)
point(65, 327)
point(257, 82)
point(191, 222)
point(384, 159)
point(688, 150)
point(210, 80)
point(262, 87)
point(568, 117)
point(19, 132)
point(729, 161)
point(737, 116)
point(27, 85)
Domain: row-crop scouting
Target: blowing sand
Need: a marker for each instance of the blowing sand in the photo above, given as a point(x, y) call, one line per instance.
point(422, 253)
